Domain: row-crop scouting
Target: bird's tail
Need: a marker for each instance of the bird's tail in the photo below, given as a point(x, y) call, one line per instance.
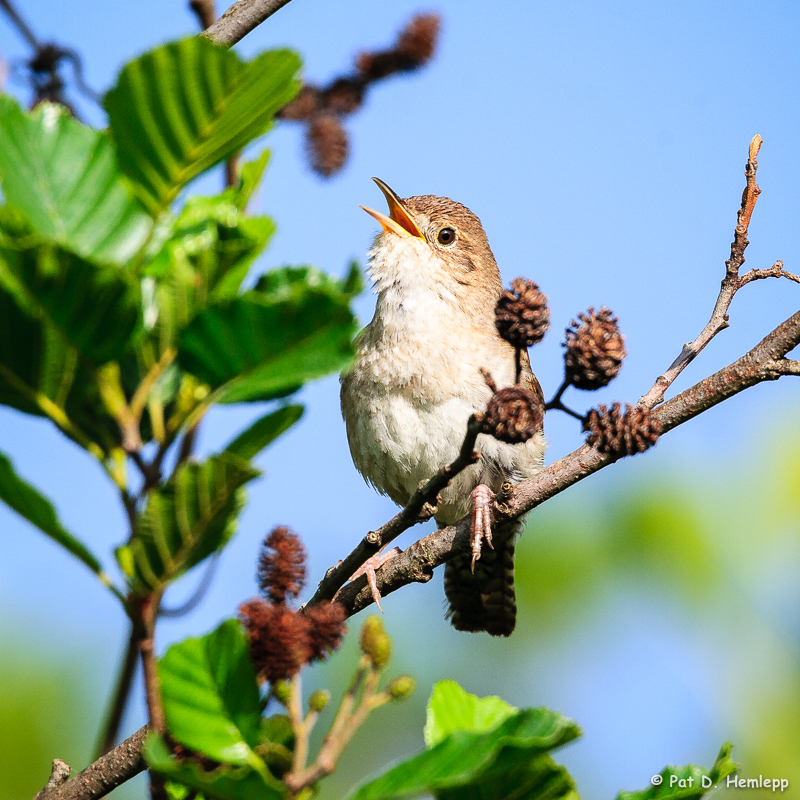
point(484, 600)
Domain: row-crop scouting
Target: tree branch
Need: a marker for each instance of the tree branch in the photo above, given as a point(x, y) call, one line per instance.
point(421, 507)
point(241, 18)
point(58, 775)
point(731, 283)
point(765, 362)
point(105, 774)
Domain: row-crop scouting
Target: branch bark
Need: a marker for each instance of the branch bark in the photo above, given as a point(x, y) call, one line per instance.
point(241, 18)
point(421, 507)
point(98, 779)
point(765, 362)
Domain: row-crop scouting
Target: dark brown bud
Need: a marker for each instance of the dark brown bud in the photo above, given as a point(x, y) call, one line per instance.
point(415, 45)
point(418, 40)
point(344, 96)
point(595, 349)
point(282, 565)
point(619, 434)
point(327, 144)
point(522, 315)
point(514, 414)
point(307, 103)
point(279, 639)
point(326, 628)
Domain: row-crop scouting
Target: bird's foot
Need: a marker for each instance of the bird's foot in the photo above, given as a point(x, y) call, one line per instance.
point(369, 568)
point(482, 501)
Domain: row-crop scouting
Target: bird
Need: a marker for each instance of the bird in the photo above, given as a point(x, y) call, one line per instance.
point(416, 379)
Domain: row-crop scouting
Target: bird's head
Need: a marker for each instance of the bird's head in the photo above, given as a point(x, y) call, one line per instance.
point(432, 243)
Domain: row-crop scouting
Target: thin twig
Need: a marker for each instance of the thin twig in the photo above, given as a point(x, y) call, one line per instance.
point(731, 284)
point(205, 11)
point(421, 507)
point(344, 726)
point(295, 709)
point(241, 18)
point(198, 594)
point(152, 686)
point(765, 362)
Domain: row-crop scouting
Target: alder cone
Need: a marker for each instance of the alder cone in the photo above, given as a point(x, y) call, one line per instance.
point(513, 415)
point(307, 103)
point(522, 315)
point(281, 565)
point(618, 434)
point(595, 350)
point(327, 144)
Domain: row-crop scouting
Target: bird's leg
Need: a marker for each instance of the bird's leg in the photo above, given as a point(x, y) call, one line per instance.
point(482, 500)
point(370, 566)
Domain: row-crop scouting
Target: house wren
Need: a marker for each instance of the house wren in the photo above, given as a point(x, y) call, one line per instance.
point(416, 380)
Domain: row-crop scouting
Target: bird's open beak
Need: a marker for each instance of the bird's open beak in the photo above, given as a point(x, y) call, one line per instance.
point(399, 220)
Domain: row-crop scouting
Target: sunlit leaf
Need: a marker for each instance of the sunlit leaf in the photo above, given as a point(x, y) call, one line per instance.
point(506, 760)
point(96, 307)
point(64, 177)
point(451, 708)
point(295, 326)
point(250, 174)
point(204, 258)
point(210, 694)
point(185, 106)
point(264, 431)
point(42, 374)
point(192, 516)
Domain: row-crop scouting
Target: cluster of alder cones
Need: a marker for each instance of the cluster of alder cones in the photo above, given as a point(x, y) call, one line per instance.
point(321, 109)
point(593, 356)
point(282, 640)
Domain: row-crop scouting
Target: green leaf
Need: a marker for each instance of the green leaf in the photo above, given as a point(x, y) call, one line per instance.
point(64, 177)
point(38, 510)
point(204, 258)
point(40, 373)
point(210, 694)
point(222, 783)
point(250, 175)
point(96, 307)
point(452, 709)
point(185, 106)
point(687, 783)
point(277, 744)
point(294, 327)
point(264, 431)
point(469, 764)
point(287, 282)
point(192, 516)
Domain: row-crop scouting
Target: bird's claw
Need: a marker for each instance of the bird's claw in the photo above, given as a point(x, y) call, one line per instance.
point(482, 500)
point(370, 566)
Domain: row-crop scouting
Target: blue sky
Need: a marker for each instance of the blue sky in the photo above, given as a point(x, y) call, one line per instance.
point(602, 145)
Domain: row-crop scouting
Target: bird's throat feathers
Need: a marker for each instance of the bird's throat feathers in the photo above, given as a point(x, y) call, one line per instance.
point(415, 287)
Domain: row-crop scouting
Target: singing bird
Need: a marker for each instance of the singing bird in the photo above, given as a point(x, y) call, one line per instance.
point(417, 379)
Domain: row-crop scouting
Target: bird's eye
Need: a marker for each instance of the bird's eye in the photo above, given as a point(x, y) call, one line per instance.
point(446, 237)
